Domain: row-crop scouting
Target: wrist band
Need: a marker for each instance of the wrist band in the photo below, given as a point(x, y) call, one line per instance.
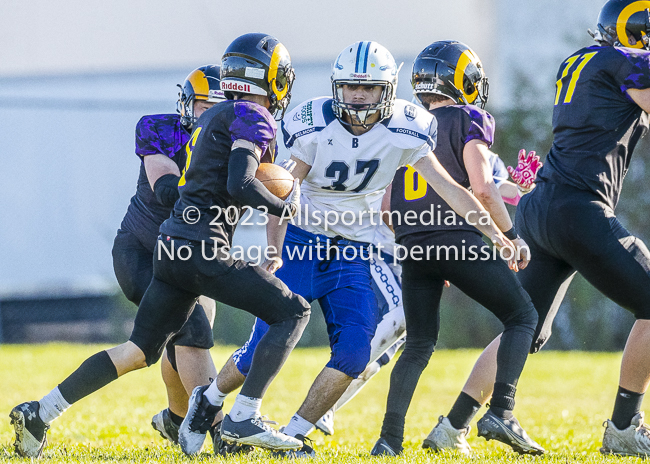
point(511, 234)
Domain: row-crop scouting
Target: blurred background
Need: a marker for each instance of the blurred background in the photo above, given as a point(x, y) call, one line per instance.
point(76, 76)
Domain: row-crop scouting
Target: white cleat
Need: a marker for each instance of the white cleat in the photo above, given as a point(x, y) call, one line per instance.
point(198, 420)
point(326, 423)
point(632, 441)
point(256, 432)
point(445, 437)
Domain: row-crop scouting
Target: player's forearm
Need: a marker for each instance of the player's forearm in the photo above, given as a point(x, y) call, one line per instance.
point(491, 200)
point(275, 233)
point(459, 198)
point(508, 190)
point(245, 188)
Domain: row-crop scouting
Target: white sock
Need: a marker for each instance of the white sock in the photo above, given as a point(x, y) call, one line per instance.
point(298, 426)
point(214, 395)
point(244, 408)
point(52, 406)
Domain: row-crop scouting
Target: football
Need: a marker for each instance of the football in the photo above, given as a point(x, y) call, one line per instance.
point(277, 180)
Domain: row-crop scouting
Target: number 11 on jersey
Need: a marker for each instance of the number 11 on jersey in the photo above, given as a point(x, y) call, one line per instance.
point(574, 77)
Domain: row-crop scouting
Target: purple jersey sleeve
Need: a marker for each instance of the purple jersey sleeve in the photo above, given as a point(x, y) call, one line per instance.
point(159, 134)
point(638, 75)
point(481, 125)
point(253, 123)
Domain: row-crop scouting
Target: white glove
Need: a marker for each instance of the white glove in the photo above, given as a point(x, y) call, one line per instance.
point(287, 164)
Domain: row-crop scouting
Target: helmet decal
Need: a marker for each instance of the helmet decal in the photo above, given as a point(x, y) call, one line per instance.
point(465, 59)
point(279, 52)
point(621, 23)
point(362, 58)
point(201, 84)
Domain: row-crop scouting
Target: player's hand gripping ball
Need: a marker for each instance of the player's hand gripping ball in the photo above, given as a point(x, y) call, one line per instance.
point(276, 179)
point(526, 171)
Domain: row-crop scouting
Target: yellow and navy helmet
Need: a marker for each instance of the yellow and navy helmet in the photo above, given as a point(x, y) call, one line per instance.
point(202, 84)
point(258, 64)
point(452, 69)
point(624, 23)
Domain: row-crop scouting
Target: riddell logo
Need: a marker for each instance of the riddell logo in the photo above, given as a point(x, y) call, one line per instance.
point(360, 75)
point(235, 86)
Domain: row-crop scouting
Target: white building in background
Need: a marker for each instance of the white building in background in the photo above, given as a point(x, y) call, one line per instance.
point(75, 77)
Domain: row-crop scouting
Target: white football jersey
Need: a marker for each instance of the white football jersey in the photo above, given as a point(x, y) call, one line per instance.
point(349, 173)
point(499, 171)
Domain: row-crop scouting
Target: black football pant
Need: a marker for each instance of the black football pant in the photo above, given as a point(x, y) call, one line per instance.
point(488, 281)
point(571, 230)
point(133, 265)
point(179, 280)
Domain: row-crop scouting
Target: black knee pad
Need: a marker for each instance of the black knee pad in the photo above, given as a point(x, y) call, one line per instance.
point(152, 349)
point(196, 332)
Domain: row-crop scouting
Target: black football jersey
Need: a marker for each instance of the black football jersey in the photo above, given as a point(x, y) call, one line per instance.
point(203, 185)
point(596, 125)
point(155, 134)
point(418, 205)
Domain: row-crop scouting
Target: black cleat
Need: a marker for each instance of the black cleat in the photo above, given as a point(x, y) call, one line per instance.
point(382, 448)
point(221, 448)
point(30, 430)
point(307, 451)
point(164, 425)
point(508, 431)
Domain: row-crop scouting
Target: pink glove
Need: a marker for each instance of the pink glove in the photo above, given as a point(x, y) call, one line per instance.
point(526, 172)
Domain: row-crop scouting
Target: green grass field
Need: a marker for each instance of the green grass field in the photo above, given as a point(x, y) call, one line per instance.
point(562, 401)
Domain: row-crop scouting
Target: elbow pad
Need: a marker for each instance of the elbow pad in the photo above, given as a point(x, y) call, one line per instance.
point(166, 189)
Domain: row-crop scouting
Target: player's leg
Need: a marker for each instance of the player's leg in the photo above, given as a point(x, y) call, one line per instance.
point(350, 311)
point(618, 264)
point(546, 280)
point(230, 281)
point(186, 364)
point(494, 286)
point(163, 311)
point(422, 288)
point(192, 344)
point(389, 335)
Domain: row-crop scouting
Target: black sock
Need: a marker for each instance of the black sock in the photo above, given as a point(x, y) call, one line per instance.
point(94, 373)
point(176, 419)
point(463, 411)
point(392, 430)
point(503, 400)
point(627, 405)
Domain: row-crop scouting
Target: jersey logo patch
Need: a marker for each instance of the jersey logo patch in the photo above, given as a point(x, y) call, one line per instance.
point(306, 115)
point(410, 112)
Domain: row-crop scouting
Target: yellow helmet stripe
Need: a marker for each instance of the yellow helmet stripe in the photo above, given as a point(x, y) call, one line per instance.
point(621, 22)
point(278, 53)
point(199, 84)
point(465, 59)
